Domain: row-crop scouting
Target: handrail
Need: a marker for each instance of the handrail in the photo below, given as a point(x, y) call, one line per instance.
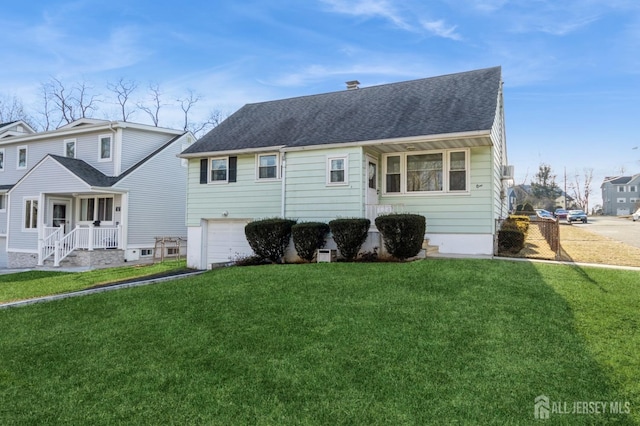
point(47, 247)
point(89, 238)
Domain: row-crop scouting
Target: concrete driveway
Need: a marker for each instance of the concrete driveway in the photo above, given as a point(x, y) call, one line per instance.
point(620, 229)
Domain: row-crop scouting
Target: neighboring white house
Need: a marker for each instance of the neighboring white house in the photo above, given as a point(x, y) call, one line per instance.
point(433, 146)
point(620, 195)
point(101, 190)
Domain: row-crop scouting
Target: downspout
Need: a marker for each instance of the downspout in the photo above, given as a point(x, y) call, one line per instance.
point(283, 197)
point(117, 148)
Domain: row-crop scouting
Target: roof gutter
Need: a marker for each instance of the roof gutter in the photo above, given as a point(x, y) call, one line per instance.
point(232, 152)
point(107, 126)
point(397, 141)
point(376, 142)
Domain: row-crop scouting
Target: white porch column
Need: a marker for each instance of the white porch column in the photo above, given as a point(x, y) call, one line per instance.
point(90, 244)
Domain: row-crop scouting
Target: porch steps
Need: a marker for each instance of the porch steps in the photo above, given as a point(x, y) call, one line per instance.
point(429, 250)
point(68, 261)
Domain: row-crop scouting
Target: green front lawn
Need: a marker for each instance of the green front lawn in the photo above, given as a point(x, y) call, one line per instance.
point(37, 283)
point(429, 342)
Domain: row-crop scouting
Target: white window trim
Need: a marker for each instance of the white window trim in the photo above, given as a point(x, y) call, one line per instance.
point(621, 200)
point(3, 160)
point(3, 207)
point(24, 213)
point(26, 157)
point(95, 210)
point(278, 167)
point(110, 158)
point(209, 170)
point(445, 173)
point(64, 148)
point(345, 158)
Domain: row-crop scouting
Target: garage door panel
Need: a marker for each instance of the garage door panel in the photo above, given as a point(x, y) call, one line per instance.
point(226, 241)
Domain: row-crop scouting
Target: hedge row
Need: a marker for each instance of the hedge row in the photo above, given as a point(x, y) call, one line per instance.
point(403, 235)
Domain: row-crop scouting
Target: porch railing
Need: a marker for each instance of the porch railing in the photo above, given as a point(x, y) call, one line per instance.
point(87, 238)
point(47, 248)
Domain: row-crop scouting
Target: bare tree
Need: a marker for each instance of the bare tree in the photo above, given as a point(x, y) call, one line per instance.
point(68, 104)
point(123, 89)
point(581, 189)
point(154, 111)
point(85, 101)
point(12, 109)
point(214, 118)
point(186, 104)
point(47, 114)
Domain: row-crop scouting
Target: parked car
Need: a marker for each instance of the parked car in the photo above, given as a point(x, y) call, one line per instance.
point(560, 214)
point(576, 215)
point(636, 215)
point(544, 214)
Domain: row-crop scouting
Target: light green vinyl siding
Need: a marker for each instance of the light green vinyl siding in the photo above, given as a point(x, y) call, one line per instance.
point(469, 213)
point(244, 199)
point(310, 198)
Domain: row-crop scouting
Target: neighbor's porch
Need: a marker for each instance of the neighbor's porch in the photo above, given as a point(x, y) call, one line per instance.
point(87, 222)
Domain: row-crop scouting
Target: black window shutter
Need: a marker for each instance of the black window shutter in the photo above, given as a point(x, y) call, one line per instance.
point(233, 168)
point(204, 170)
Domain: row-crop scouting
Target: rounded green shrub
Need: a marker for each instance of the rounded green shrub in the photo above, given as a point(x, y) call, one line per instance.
point(349, 235)
point(403, 234)
point(510, 241)
point(269, 238)
point(308, 237)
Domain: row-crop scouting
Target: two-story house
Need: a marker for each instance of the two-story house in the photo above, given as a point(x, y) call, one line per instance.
point(433, 146)
point(620, 195)
point(99, 190)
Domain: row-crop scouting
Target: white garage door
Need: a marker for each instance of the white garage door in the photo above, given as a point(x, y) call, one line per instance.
point(226, 241)
point(623, 212)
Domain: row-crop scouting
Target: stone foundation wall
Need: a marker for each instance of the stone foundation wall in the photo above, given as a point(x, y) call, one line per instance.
point(95, 258)
point(21, 260)
point(76, 258)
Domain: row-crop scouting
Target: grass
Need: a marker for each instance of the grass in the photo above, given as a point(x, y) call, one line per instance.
point(436, 341)
point(30, 284)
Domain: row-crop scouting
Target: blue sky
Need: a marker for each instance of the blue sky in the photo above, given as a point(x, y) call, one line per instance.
point(571, 68)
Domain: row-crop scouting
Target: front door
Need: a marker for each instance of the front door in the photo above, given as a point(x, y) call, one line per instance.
point(60, 211)
point(372, 188)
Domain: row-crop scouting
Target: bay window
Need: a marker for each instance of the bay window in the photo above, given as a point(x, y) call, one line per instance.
point(443, 171)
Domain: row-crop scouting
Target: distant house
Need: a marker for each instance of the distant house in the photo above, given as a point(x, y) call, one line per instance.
point(524, 194)
point(434, 146)
point(94, 190)
point(620, 195)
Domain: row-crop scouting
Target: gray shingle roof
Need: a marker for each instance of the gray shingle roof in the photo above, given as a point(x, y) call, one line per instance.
point(439, 105)
point(84, 171)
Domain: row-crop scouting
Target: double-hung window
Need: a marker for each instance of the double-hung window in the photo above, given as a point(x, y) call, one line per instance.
point(219, 170)
point(70, 148)
point(267, 166)
point(106, 148)
point(22, 157)
point(30, 214)
point(337, 170)
point(96, 209)
point(426, 172)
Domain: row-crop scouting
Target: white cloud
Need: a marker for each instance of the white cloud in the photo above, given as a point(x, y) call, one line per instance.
point(441, 29)
point(369, 9)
